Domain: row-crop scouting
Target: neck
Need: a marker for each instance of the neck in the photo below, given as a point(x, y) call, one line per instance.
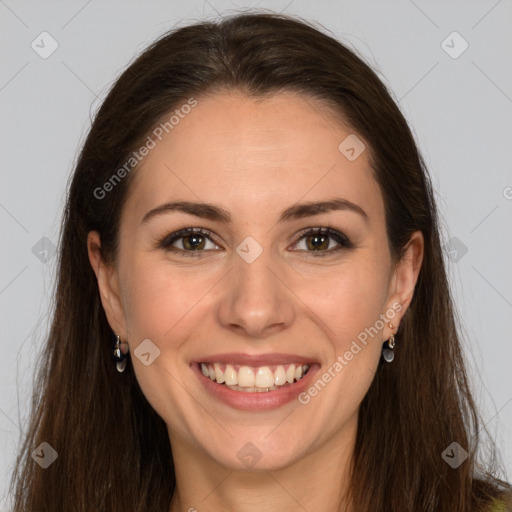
point(318, 480)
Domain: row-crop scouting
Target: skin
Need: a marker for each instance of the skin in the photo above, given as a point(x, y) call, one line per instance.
point(255, 158)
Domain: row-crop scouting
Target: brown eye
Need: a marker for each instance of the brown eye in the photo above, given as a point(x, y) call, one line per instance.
point(193, 242)
point(318, 241)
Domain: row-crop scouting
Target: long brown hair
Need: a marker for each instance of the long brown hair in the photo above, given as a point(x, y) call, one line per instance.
point(113, 449)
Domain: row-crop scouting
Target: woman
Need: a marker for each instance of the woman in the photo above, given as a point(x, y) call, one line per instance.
point(252, 309)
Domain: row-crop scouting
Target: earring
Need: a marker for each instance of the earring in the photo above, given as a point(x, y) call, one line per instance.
point(387, 351)
point(119, 357)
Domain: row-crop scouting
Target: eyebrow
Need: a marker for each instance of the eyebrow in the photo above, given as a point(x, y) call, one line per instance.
point(294, 212)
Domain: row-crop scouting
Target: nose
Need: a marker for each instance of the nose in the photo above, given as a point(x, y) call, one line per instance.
point(256, 302)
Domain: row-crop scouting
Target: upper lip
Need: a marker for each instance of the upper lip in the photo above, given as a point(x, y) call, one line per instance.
point(254, 360)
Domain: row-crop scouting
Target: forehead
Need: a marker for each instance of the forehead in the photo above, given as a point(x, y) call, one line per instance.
point(254, 156)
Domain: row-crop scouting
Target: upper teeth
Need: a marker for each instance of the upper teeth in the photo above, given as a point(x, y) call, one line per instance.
point(248, 377)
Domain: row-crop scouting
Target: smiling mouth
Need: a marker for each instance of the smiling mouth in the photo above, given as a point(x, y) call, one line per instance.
point(252, 379)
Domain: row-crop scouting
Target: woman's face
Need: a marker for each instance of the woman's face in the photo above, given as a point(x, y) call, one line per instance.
point(253, 297)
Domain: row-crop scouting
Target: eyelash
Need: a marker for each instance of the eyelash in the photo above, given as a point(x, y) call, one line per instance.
point(343, 241)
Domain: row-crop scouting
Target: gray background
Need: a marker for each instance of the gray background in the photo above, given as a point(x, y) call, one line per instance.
point(459, 109)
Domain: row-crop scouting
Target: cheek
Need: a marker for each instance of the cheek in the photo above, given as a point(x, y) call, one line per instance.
point(156, 298)
point(348, 300)
point(351, 307)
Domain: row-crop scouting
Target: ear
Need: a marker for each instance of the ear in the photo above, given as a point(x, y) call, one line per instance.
point(108, 284)
point(404, 280)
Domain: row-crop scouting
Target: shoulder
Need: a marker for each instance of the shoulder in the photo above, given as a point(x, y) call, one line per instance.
point(500, 505)
point(491, 495)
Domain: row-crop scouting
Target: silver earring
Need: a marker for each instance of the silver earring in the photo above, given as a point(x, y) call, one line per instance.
point(387, 350)
point(119, 357)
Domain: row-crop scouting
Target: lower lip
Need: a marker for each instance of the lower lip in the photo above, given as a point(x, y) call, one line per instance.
point(255, 401)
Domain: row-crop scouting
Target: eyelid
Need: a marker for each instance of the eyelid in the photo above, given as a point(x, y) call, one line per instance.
point(338, 236)
point(167, 240)
point(324, 230)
